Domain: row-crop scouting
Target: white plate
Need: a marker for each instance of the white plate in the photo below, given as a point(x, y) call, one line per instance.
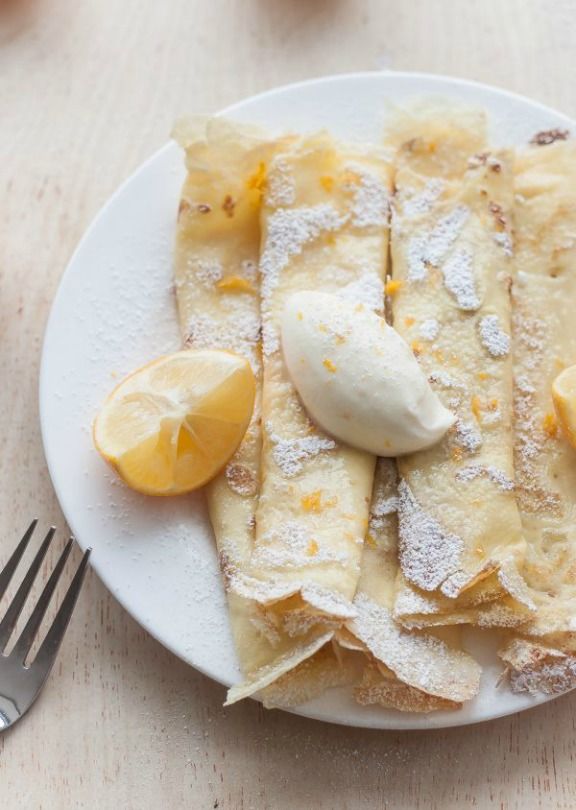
point(115, 311)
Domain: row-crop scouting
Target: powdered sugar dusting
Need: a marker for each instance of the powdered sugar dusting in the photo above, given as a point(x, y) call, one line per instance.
point(444, 379)
point(537, 668)
point(287, 546)
point(421, 202)
point(280, 187)
point(367, 290)
point(429, 329)
point(431, 248)
point(422, 661)
point(498, 477)
point(493, 338)
point(371, 204)
point(207, 271)
point(329, 602)
point(409, 601)
point(511, 580)
point(289, 230)
point(291, 454)
point(533, 491)
point(428, 553)
point(504, 240)
point(458, 272)
point(262, 591)
point(467, 436)
point(551, 678)
point(239, 334)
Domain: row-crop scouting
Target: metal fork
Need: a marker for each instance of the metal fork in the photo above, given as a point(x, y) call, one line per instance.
point(22, 682)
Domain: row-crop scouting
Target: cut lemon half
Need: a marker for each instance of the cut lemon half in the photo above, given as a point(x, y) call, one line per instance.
point(173, 424)
point(564, 398)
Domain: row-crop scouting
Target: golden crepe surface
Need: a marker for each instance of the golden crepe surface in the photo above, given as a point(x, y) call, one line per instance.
point(542, 657)
point(324, 227)
point(217, 251)
point(451, 255)
point(410, 671)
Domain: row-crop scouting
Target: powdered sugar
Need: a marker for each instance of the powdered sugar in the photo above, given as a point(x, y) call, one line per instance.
point(551, 678)
point(467, 436)
point(504, 240)
point(288, 546)
point(431, 248)
point(280, 188)
point(367, 290)
point(511, 580)
point(291, 454)
point(422, 661)
point(458, 272)
point(371, 205)
point(239, 334)
point(416, 258)
point(207, 271)
point(493, 338)
point(522, 384)
point(329, 602)
point(446, 233)
point(444, 379)
point(428, 553)
point(429, 329)
point(289, 230)
point(421, 202)
point(493, 474)
point(380, 510)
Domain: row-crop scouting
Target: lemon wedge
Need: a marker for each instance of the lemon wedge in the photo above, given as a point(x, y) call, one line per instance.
point(564, 398)
point(172, 425)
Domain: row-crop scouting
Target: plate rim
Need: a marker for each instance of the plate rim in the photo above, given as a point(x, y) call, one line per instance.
point(427, 721)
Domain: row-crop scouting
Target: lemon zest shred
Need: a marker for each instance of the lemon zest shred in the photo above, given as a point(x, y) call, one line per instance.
point(392, 286)
point(312, 502)
point(235, 284)
point(312, 549)
point(476, 407)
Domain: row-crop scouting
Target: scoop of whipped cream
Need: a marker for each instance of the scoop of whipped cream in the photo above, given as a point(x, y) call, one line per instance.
point(358, 378)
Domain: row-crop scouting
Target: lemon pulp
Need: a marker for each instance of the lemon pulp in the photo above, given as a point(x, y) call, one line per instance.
point(171, 426)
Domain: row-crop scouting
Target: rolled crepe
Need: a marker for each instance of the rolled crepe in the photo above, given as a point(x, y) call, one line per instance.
point(459, 523)
point(324, 228)
point(217, 286)
point(410, 671)
point(541, 656)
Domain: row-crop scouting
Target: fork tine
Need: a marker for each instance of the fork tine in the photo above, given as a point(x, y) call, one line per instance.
point(15, 608)
point(8, 571)
point(51, 644)
point(26, 638)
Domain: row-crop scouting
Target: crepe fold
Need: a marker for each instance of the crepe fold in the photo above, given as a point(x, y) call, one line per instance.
point(461, 543)
point(541, 655)
point(407, 670)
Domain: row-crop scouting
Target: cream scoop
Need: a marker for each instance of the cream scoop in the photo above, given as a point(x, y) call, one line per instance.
point(358, 378)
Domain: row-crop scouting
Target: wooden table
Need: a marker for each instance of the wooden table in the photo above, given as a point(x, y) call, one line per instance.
point(87, 91)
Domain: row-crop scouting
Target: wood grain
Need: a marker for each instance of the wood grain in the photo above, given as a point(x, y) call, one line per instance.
point(87, 90)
